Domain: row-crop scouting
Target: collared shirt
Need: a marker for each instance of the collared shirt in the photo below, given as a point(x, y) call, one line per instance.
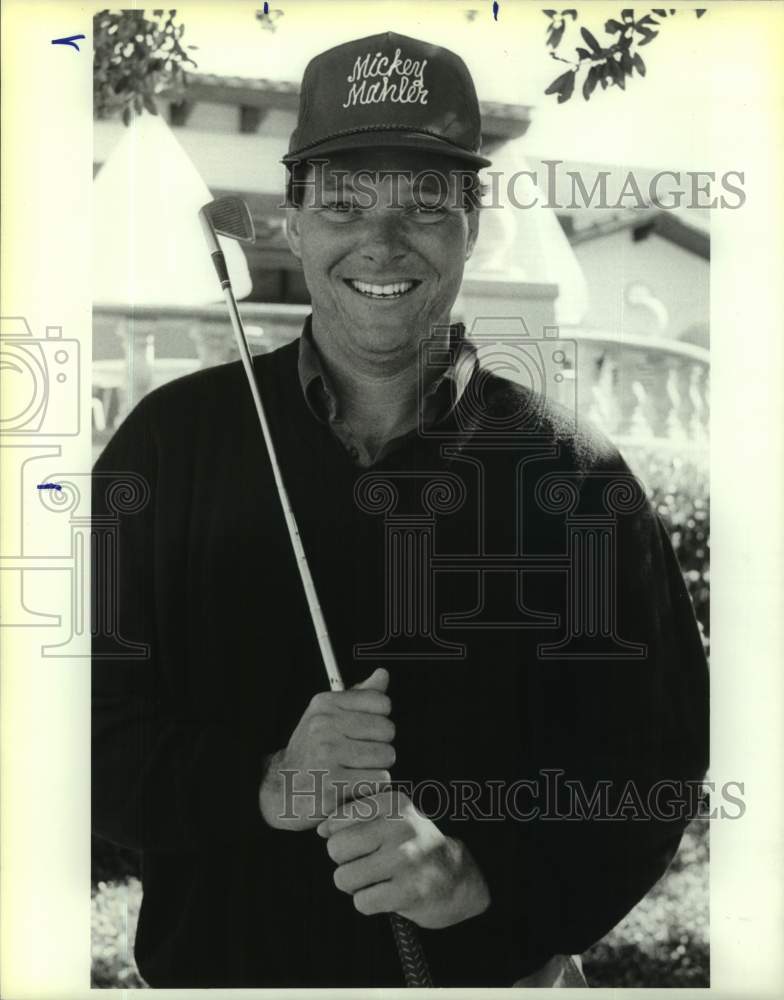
point(451, 375)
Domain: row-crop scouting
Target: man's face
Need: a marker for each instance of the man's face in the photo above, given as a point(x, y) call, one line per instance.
point(383, 247)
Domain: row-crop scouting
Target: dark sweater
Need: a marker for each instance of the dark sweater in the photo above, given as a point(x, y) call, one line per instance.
point(207, 580)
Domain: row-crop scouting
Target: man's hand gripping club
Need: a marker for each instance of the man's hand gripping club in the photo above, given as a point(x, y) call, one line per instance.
point(340, 750)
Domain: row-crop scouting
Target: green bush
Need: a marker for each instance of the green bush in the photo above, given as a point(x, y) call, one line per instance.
point(678, 487)
point(115, 910)
point(664, 941)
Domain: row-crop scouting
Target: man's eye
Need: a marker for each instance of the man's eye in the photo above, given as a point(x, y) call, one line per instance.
point(428, 213)
point(340, 207)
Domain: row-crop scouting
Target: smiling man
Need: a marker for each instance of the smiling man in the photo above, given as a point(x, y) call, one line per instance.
point(274, 839)
point(383, 244)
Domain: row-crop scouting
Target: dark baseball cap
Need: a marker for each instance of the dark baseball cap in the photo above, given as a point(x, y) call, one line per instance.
point(387, 90)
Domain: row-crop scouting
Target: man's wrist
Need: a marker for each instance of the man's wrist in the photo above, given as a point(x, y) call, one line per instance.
point(271, 792)
point(275, 810)
point(472, 893)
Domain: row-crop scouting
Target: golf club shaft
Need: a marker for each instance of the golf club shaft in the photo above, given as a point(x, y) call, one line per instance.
point(325, 645)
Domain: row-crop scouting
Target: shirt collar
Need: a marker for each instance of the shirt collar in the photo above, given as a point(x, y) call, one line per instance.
point(455, 366)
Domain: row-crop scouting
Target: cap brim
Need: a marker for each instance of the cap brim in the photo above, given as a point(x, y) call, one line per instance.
point(387, 139)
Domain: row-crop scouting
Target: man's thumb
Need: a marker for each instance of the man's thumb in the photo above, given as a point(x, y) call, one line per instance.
point(378, 681)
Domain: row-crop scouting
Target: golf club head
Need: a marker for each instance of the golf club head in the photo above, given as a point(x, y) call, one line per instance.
point(230, 216)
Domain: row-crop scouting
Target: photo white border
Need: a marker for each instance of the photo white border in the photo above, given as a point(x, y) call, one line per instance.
point(46, 250)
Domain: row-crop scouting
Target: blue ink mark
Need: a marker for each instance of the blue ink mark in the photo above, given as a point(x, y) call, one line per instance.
point(50, 486)
point(266, 7)
point(71, 40)
point(495, 10)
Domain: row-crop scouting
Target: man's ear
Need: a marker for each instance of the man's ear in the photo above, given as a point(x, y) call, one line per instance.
point(293, 232)
point(473, 231)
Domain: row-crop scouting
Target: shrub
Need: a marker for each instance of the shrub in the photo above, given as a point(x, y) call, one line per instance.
point(664, 941)
point(678, 487)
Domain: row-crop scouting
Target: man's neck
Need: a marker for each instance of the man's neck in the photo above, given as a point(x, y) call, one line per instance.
point(378, 399)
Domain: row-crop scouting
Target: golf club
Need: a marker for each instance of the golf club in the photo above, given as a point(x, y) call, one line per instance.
point(230, 217)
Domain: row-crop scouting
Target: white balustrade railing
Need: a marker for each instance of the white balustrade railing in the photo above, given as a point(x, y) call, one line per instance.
point(644, 391)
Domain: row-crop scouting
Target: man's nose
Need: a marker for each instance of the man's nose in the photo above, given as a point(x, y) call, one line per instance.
point(383, 239)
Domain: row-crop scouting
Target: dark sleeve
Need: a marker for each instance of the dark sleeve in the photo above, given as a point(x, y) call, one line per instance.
point(164, 776)
point(638, 724)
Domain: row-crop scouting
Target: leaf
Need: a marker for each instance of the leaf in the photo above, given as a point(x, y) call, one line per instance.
point(639, 65)
point(626, 62)
point(588, 37)
point(644, 21)
point(568, 89)
point(560, 82)
point(589, 85)
point(627, 14)
point(563, 86)
point(612, 27)
point(550, 13)
point(150, 105)
point(126, 115)
point(649, 37)
point(571, 12)
point(583, 53)
point(659, 12)
point(699, 13)
point(556, 35)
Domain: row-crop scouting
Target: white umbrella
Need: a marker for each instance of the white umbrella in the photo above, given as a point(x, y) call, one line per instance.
point(148, 246)
point(526, 244)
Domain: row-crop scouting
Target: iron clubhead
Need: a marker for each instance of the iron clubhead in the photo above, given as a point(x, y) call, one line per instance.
point(230, 216)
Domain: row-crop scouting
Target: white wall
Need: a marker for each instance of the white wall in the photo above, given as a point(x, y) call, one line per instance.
point(679, 278)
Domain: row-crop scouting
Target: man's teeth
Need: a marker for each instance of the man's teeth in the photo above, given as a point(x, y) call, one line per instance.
point(382, 291)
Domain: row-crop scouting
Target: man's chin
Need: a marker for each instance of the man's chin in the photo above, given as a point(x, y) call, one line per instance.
point(388, 338)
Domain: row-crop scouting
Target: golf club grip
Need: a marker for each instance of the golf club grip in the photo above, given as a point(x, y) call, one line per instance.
point(409, 949)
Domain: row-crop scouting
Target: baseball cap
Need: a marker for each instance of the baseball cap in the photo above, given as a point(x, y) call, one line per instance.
point(387, 90)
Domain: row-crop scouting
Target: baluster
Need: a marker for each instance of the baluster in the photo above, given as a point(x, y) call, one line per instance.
point(697, 425)
point(673, 426)
point(603, 409)
point(639, 425)
point(139, 349)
